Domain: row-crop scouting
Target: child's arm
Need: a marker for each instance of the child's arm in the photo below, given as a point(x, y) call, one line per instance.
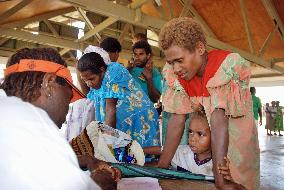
point(154, 150)
point(225, 170)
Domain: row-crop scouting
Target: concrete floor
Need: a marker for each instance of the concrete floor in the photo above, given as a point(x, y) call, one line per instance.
point(271, 161)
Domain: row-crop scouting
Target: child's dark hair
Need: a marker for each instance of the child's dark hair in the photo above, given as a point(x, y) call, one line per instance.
point(200, 114)
point(111, 45)
point(91, 62)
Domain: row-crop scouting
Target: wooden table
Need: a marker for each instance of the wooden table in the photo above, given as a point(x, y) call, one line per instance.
point(171, 184)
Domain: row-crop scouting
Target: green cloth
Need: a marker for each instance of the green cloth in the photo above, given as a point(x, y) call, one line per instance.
point(156, 77)
point(132, 170)
point(279, 119)
point(256, 106)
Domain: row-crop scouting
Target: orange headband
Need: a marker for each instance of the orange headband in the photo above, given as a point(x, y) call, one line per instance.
point(47, 67)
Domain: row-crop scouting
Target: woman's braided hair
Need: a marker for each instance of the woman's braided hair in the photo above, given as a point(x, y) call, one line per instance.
point(200, 114)
point(26, 85)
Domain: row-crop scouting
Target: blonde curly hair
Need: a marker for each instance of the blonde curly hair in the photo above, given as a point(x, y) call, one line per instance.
point(183, 32)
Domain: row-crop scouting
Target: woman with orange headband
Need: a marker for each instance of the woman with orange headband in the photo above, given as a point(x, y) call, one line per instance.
point(34, 100)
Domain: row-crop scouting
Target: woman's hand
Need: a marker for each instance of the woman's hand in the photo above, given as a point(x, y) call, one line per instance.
point(95, 165)
point(105, 167)
point(225, 170)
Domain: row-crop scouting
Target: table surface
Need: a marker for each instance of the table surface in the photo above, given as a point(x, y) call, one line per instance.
point(171, 184)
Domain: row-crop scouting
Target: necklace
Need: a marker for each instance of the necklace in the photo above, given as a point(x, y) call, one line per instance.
point(200, 162)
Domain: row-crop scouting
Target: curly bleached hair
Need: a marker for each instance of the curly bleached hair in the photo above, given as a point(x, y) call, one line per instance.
point(183, 32)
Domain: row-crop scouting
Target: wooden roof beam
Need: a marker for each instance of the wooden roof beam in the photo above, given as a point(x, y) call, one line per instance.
point(170, 8)
point(40, 39)
point(247, 27)
point(51, 28)
point(123, 13)
point(107, 22)
point(268, 5)
point(14, 9)
point(198, 18)
point(3, 40)
point(138, 3)
point(212, 42)
point(44, 16)
point(6, 52)
point(267, 41)
point(88, 22)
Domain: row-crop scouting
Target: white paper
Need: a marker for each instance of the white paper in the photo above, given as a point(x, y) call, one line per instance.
point(139, 183)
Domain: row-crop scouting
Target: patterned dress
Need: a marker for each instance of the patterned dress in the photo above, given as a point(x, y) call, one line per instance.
point(225, 85)
point(279, 119)
point(135, 113)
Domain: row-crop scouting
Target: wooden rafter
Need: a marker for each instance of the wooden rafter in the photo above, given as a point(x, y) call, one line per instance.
point(14, 9)
point(247, 26)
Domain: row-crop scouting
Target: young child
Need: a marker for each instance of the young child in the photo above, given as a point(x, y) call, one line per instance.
point(195, 157)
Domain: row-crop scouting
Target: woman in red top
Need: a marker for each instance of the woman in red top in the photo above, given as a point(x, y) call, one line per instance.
point(219, 81)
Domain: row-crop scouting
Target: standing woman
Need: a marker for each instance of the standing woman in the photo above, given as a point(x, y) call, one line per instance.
point(219, 81)
point(119, 101)
point(278, 119)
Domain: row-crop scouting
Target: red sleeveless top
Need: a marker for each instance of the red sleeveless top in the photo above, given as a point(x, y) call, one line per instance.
point(197, 86)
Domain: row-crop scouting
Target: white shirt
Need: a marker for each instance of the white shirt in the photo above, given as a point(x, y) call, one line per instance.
point(33, 154)
point(184, 158)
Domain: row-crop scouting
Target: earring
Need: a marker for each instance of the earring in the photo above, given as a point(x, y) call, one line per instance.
point(49, 95)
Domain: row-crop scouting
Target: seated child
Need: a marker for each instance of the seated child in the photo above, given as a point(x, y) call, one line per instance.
point(196, 156)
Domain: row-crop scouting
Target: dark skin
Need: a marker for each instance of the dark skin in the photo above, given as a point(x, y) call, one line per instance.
point(143, 60)
point(95, 81)
point(187, 64)
point(84, 88)
point(101, 172)
point(174, 133)
point(148, 74)
point(219, 136)
point(54, 96)
point(199, 142)
point(111, 112)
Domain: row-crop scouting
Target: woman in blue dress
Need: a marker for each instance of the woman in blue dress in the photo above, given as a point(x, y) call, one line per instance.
point(119, 101)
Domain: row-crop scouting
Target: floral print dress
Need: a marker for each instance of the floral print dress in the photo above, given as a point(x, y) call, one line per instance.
point(135, 113)
point(226, 88)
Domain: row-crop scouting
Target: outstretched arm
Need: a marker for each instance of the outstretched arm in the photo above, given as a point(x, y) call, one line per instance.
point(153, 92)
point(219, 144)
point(174, 134)
point(110, 118)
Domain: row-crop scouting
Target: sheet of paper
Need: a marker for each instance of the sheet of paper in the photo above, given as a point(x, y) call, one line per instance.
point(139, 183)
